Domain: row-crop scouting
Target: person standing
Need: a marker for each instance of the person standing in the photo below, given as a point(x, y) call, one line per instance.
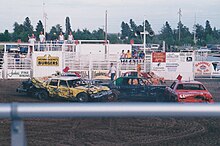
point(112, 71)
point(42, 40)
point(61, 38)
point(70, 41)
point(32, 39)
point(42, 37)
point(70, 38)
point(128, 55)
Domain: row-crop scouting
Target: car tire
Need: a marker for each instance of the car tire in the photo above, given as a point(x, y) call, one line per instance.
point(82, 97)
point(42, 94)
point(113, 96)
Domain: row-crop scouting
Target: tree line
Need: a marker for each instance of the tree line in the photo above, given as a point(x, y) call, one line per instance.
point(179, 36)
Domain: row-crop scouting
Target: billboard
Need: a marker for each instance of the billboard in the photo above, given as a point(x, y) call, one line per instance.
point(158, 57)
point(47, 60)
point(207, 69)
point(175, 64)
point(18, 74)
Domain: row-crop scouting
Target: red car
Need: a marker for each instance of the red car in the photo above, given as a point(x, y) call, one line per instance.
point(189, 91)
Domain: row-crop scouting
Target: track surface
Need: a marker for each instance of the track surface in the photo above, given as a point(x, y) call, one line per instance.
point(112, 131)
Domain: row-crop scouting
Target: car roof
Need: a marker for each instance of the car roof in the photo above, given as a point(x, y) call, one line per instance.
point(188, 82)
point(130, 77)
point(66, 78)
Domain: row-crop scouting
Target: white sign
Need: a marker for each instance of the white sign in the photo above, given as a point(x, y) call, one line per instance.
point(18, 74)
point(47, 70)
point(172, 57)
point(173, 67)
point(1, 75)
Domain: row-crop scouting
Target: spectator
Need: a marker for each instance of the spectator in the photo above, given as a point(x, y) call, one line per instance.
point(32, 39)
point(42, 37)
point(70, 38)
point(122, 56)
point(112, 71)
point(70, 41)
point(61, 38)
point(134, 55)
point(42, 40)
point(128, 55)
point(141, 55)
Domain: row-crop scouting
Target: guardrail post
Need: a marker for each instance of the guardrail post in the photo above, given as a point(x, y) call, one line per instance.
point(18, 137)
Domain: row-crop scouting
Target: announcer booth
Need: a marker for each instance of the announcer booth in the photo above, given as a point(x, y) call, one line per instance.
point(169, 65)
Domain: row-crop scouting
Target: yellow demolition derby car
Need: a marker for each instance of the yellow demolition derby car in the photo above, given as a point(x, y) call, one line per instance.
point(70, 88)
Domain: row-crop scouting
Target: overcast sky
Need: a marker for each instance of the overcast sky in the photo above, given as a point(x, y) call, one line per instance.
point(90, 14)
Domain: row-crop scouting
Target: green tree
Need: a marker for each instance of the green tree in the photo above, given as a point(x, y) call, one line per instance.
point(58, 28)
point(99, 34)
point(28, 28)
point(68, 26)
point(133, 31)
point(185, 36)
point(200, 34)
point(19, 33)
point(53, 35)
point(208, 28)
point(125, 31)
point(39, 27)
point(5, 37)
point(166, 34)
point(208, 32)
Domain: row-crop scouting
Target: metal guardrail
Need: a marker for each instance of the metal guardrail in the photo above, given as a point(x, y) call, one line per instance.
point(18, 111)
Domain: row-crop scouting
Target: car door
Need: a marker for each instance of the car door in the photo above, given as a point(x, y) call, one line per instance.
point(52, 87)
point(140, 89)
point(63, 89)
point(125, 88)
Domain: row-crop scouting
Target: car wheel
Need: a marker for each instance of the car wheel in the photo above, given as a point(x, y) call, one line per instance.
point(42, 94)
point(113, 96)
point(82, 97)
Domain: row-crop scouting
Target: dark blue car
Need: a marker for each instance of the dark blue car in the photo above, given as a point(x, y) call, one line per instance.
point(137, 89)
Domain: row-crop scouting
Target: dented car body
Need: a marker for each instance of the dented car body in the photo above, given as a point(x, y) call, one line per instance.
point(70, 88)
point(189, 91)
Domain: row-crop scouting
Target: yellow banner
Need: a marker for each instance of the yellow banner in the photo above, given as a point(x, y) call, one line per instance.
point(47, 60)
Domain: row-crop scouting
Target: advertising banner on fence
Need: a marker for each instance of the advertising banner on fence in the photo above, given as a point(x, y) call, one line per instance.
point(47, 63)
point(173, 67)
point(47, 60)
point(216, 69)
point(18, 74)
point(207, 69)
point(186, 56)
point(158, 57)
point(203, 68)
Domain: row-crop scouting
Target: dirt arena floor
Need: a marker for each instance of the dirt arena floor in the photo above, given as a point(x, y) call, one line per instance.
point(113, 131)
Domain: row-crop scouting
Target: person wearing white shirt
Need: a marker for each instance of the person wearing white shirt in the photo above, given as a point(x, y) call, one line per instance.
point(42, 37)
point(61, 37)
point(42, 40)
point(70, 38)
point(32, 39)
point(112, 71)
